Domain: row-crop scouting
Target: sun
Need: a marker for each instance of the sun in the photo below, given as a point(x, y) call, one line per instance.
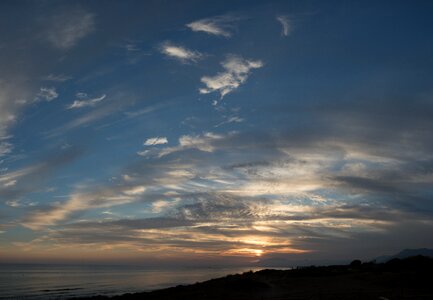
point(257, 252)
point(245, 252)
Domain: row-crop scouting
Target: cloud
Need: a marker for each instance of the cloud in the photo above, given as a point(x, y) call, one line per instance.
point(201, 142)
point(67, 28)
point(225, 224)
point(205, 142)
point(10, 96)
point(230, 119)
point(86, 103)
point(161, 205)
point(83, 120)
point(117, 101)
point(254, 192)
point(5, 148)
point(149, 223)
point(16, 92)
point(131, 47)
point(144, 111)
point(286, 25)
point(81, 95)
point(82, 201)
point(220, 26)
point(348, 175)
point(217, 207)
point(180, 53)
point(13, 203)
point(57, 77)
point(133, 52)
point(236, 72)
point(156, 141)
point(47, 94)
point(18, 183)
point(10, 183)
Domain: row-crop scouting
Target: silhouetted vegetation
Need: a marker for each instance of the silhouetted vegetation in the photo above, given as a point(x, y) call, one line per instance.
point(408, 278)
point(356, 263)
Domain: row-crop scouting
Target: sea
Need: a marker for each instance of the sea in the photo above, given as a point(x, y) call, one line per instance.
point(67, 281)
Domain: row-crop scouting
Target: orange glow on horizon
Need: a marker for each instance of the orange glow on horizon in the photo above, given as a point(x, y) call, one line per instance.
point(249, 252)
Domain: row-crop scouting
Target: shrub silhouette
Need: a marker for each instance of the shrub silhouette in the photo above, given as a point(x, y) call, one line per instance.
point(356, 263)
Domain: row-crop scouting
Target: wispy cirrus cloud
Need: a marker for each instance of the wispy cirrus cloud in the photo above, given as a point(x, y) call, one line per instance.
point(12, 98)
point(180, 53)
point(67, 28)
point(8, 105)
point(236, 72)
point(57, 77)
point(5, 148)
point(16, 184)
point(82, 201)
point(146, 110)
point(230, 119)
point(84, 101)
point(133, 52)
point(219, 26)
point(286, 27)
point(117, 101)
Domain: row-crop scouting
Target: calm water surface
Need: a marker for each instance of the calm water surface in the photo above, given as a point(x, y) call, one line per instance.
point(61, 282)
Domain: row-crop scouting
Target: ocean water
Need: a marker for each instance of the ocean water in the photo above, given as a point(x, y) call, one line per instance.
point(63, 282)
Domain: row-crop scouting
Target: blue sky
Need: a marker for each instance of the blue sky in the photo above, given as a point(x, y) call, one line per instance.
point(214, 131)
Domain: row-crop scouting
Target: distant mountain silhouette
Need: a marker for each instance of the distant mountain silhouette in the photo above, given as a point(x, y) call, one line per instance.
point(405, 253)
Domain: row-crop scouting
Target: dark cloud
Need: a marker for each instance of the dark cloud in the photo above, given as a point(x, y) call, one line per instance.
point(132, 224)
point(219, 206)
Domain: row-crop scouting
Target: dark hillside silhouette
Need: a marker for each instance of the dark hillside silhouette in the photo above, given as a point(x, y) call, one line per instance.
point(406, 253)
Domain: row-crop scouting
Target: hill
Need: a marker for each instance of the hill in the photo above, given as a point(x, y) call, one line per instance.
point(406, 253)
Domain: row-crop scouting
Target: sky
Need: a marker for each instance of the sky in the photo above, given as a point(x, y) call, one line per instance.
point(215, 132)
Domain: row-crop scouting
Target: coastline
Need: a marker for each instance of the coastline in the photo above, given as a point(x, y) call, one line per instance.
point(397, 279)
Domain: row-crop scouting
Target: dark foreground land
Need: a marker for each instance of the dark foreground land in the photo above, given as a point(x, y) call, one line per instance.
point(410, 278)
